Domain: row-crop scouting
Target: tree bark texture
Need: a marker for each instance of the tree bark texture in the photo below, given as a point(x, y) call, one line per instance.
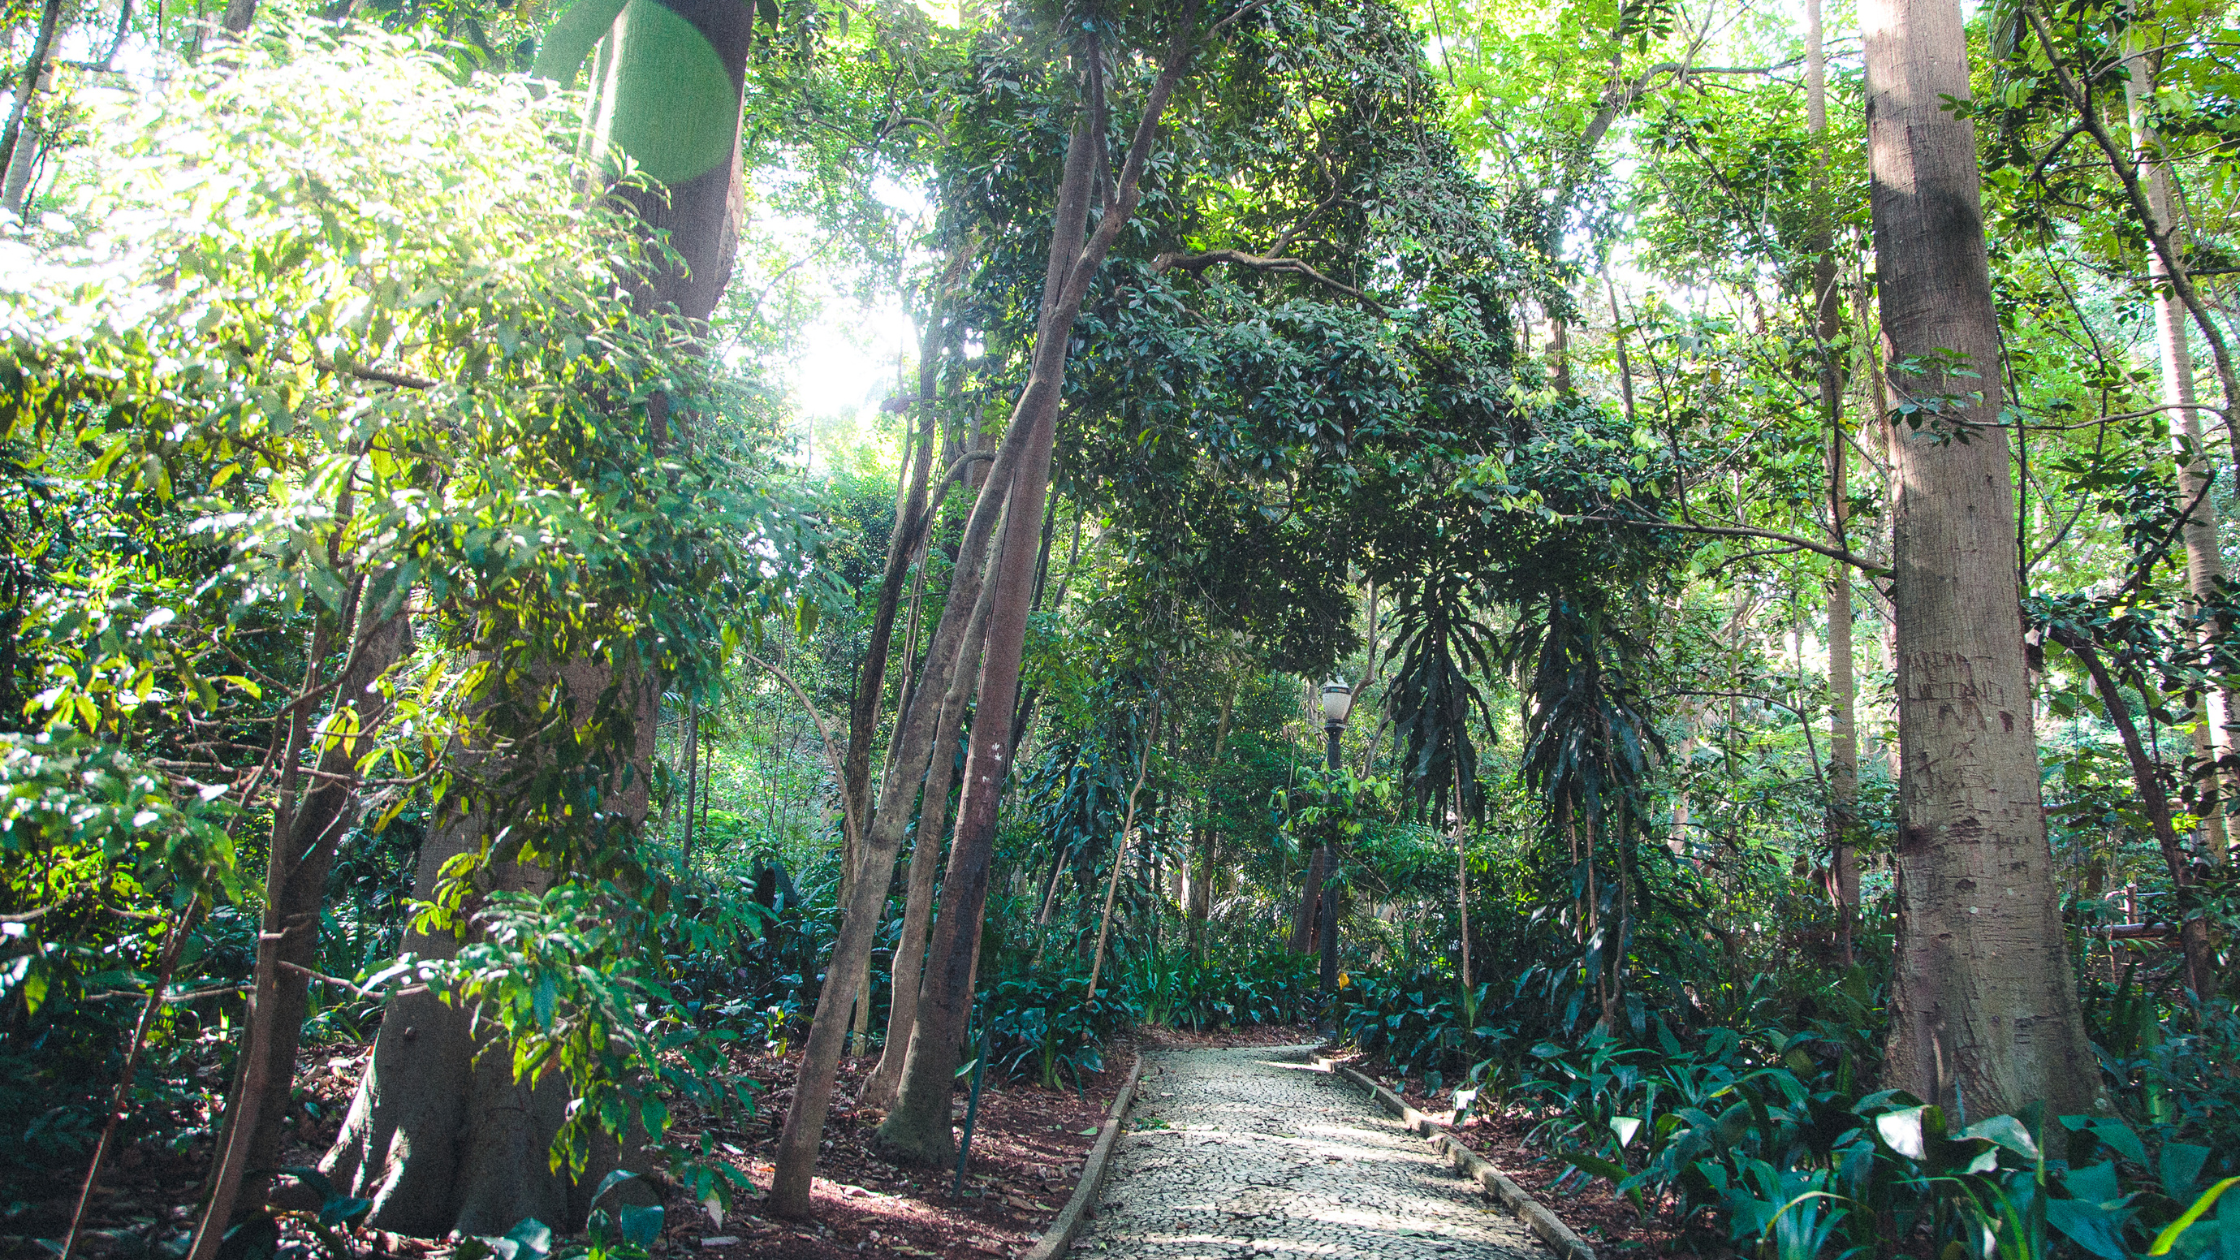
point(1984, 1012)
point(439, 1135)
point(925, 862)
point(917, 1130)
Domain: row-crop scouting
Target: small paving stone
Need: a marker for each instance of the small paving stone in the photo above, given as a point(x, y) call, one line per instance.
point(1240, 1154)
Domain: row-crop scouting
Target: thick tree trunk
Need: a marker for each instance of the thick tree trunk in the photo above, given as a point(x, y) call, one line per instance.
point(2212, 738)
point(1984, 1012)
point(925, 862)
point(439, 1136)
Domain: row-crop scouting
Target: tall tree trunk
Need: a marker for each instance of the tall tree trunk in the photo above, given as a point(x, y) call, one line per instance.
point(1303, 921)
point(439, 1135)
point(1984, 1012)
point(1843, 736)
point(917, 1130)
point(925, 862)
point(2212, 738)
point(16, 142)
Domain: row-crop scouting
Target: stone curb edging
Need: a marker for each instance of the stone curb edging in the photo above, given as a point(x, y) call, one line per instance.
point(1078, 1209)
point(1553, 1232)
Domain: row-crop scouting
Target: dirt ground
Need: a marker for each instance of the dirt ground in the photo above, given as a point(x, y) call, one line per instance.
point(1028, 1147)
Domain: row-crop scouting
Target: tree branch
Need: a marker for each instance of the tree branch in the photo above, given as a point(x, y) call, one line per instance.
point(1744, 531)
point(1196, 264)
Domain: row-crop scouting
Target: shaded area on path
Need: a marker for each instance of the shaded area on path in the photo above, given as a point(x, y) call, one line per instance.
point(1253, 1152)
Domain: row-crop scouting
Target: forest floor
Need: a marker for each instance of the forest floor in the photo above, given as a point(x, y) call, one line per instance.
point(1608, 1223)
point(1028, 1146)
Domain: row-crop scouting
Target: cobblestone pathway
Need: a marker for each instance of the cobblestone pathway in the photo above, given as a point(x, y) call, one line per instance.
point(1261, 1155)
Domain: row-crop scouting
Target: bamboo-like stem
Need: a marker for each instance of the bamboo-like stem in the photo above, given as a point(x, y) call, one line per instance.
point(1127, 833)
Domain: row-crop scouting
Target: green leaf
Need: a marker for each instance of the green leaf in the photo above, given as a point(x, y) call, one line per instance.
point(609, 1182)
point(2208, 1199)
point(2007, 1132)
point(2095, 1226)
point(641, 1225)
point(2181, 1165)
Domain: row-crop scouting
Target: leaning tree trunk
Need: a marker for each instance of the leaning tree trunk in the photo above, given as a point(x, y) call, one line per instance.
point(1983, 1010)
point(2146, 775)
point(925, 860)
point(917, 1131)
point(439, 1136)
point(812, 1095)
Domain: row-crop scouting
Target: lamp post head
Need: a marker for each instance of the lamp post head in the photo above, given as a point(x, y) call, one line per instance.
point(1337, 701)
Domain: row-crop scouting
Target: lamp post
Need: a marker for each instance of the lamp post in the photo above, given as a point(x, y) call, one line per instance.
point(1337, 702)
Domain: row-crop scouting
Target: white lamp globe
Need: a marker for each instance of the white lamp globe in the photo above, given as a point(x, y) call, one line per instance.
point(1337, 701)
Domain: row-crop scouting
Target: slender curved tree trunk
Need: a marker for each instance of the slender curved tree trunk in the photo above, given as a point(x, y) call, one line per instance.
point(1983, 1008)
point(1843, 736)
point(2146, 775)
point(925, 861)
point(917, 1130)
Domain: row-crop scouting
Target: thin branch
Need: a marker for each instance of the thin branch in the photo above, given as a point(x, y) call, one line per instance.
point(1744, 531)
point(1196, 264)
point(382, 376)
point(839, 770)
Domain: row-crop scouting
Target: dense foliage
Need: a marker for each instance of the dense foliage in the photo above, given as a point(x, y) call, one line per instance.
point(1516, 366)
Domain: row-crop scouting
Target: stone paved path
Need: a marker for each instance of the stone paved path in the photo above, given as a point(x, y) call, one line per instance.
point(1263, 1156)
